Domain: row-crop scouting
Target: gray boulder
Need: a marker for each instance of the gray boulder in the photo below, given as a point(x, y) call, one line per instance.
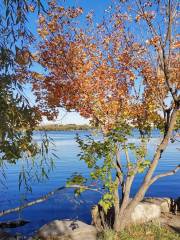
point(164, 203)
point(67, 230)
point(145, 212)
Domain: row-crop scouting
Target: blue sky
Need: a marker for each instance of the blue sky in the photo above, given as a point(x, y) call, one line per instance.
point(98, 7)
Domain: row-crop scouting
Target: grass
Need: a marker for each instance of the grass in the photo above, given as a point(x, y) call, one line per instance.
point(141, 232)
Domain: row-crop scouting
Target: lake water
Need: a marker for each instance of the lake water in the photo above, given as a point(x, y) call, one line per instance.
point(64, 205)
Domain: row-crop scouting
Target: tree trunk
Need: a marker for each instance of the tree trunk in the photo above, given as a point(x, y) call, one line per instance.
point(124, 219)
point(127, 208)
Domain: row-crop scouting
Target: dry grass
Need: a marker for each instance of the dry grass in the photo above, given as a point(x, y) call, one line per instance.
point(141, 232)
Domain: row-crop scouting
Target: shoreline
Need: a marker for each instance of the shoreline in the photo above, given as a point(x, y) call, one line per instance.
point(67, 127)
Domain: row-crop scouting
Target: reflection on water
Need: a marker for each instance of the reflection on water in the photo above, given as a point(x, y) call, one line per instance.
point(63, 205)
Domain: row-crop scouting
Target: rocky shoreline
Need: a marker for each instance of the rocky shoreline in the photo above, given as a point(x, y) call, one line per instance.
point(165, 211)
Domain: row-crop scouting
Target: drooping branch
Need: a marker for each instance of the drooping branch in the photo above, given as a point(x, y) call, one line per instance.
point(44, 198)
point(169, 173)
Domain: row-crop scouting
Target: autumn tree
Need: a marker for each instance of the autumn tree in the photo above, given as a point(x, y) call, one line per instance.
point(121, 73)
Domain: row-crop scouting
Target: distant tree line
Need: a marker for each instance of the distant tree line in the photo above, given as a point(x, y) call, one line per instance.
point(61, 127)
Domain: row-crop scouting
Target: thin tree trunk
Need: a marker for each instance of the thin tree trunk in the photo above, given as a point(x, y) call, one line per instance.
point(125, 216)
point(116, 209)
point(140, 194)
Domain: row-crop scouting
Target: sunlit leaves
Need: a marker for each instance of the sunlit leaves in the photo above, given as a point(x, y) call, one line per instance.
point(115, 75)
point(79, 181)
point(76, 179)
point(106, 202)
point(95, 70)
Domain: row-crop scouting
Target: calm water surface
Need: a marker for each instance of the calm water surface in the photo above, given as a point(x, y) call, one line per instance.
point(64, 205)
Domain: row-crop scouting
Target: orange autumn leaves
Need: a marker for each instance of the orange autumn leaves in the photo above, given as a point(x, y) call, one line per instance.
point(102, 73)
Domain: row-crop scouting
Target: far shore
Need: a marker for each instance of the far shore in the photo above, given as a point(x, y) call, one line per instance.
point(61, 127)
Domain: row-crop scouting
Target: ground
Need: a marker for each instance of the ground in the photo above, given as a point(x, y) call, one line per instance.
point(171, 221)
point(165, 228)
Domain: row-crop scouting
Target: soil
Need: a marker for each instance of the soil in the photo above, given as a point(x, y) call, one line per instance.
point(171, 221)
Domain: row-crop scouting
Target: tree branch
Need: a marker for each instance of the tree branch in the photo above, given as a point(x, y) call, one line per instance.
point(119, 167)
point(44, 198)
point(160, 149)
point(172, 172)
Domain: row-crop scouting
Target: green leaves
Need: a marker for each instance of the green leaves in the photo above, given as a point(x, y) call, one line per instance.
point(18, 121)
point(106, 202)
point(76, 179)
point(142, 165)
point(79, 181)
point(102, 156)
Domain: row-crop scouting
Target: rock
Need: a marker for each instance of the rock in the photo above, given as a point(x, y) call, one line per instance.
point(13, 224)
point(145, 212)
point(164, 203)
point(67, 230)
point(177, 201)
point(6, 236)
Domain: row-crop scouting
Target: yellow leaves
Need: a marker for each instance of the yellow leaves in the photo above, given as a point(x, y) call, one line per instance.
point(36, 75)
point(74, 12)
point(61, 8)
point(43, 32)
point(132, 78)
point(151, 106)
point(138, 18)
point(148, 16)
point(176, 45)
point(31, 8)
point(153, 41)
point(124, 58)
point(41, 19)
point(118, 22)
point(106, 40)
point(52, 26)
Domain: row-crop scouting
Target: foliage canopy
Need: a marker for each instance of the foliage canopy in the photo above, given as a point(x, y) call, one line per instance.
point(121, 73)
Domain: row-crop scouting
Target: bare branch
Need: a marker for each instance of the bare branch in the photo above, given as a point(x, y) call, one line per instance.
point(127, 156)
point(172, 172)
point(44, 198)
